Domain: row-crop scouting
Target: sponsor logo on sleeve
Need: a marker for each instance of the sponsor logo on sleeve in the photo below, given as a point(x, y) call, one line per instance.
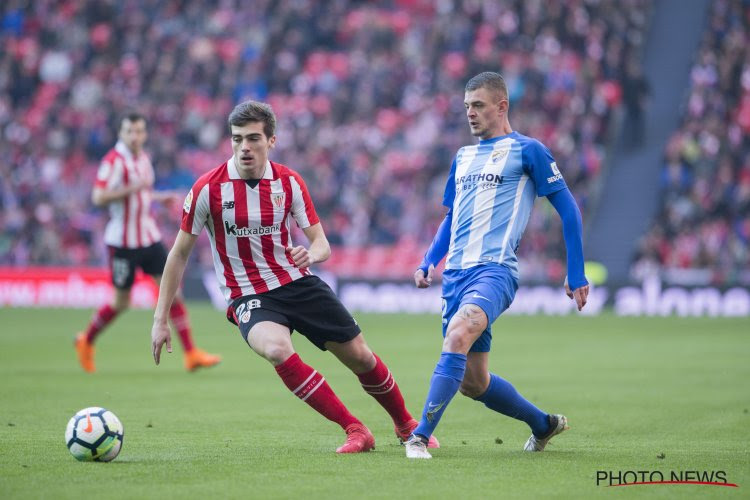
point(188, 202)
point(555, 171)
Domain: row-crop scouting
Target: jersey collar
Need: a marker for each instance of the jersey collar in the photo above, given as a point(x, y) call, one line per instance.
point(234, 174)
point(121, 148)
point(496, 139)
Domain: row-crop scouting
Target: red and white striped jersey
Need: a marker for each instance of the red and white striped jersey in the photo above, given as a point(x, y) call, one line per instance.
point(249, 227)
point(130, 223)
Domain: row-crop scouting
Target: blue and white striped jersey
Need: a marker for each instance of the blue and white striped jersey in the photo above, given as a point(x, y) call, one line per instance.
point(491, 189)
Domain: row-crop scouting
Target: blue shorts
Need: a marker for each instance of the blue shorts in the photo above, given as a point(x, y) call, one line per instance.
point(489, 286)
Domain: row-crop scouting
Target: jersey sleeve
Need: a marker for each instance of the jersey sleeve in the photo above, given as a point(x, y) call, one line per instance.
point(450, 187)
point(303, 210)
point(110, 173)
point(539, 164)
point(195, 210)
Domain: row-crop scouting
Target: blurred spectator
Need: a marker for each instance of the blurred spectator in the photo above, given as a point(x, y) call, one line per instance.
point(702, 232)
point(635, 91)
point(368, 96)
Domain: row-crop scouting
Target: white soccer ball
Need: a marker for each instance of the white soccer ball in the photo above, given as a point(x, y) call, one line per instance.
point(94, 434)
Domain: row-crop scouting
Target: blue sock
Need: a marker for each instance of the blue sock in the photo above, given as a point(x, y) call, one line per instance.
point(502, 397)
point(446, 378)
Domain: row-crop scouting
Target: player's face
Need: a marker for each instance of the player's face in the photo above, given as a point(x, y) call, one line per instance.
point(251, 147)
point(133, 134)
point(485, 111)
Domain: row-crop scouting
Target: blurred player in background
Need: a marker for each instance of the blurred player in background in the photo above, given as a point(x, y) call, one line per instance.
point(246, 206)
point(124, 183)
point(489, 195)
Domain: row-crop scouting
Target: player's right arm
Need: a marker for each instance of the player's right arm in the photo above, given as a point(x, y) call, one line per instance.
point(103, 196)
point(195, 213)
point(436, 252)
point(170, 281)
point(110, 183)
point(441, 241)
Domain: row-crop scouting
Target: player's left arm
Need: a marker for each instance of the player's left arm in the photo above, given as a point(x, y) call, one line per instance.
point(541, 167)
point(303, 212)
point(319, 249)
point(576, 285)
point(441, 242)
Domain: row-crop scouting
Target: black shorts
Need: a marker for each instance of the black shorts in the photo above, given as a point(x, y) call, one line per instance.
point(124, 261)
point(307, 305)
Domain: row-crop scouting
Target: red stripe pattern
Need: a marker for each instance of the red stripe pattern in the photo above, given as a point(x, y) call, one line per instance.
point(219, 241)
point(130, 222)
point(126, 211)
point(244, 249)
point(249, 226)
point(267, 219)
point(286, 184)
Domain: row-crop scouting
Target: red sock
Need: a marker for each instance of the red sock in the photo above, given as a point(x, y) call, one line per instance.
point(179, 316)
point(101, 318)
point(379, 383)
point(310, 386)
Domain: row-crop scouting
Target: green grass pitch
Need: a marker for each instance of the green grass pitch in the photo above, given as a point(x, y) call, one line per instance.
point(661, 394)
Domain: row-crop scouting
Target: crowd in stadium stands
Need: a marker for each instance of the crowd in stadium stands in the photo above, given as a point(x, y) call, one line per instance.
point(369, 98)
point(702, 233)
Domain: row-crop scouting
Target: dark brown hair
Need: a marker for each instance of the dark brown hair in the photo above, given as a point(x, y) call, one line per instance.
point(132, 117)
point(254, 111)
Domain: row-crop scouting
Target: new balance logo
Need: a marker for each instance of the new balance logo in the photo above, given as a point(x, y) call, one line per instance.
point(227, 205)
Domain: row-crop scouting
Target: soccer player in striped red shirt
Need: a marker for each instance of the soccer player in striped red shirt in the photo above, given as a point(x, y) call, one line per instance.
point(123, 184)
point(246, 206)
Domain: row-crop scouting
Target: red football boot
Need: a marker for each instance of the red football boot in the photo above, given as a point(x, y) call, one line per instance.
point(85, 352)
point(196, 358)
point(358, 439)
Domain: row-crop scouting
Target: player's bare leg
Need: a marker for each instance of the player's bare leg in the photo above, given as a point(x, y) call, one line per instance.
point(273, 342)
point(84, 342)
point(477, 376)
point(499, 395)
point(378, 382)
point(355, 354)
point(194, 357)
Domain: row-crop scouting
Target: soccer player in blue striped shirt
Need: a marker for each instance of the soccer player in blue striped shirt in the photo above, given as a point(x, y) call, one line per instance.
point(489, 194)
